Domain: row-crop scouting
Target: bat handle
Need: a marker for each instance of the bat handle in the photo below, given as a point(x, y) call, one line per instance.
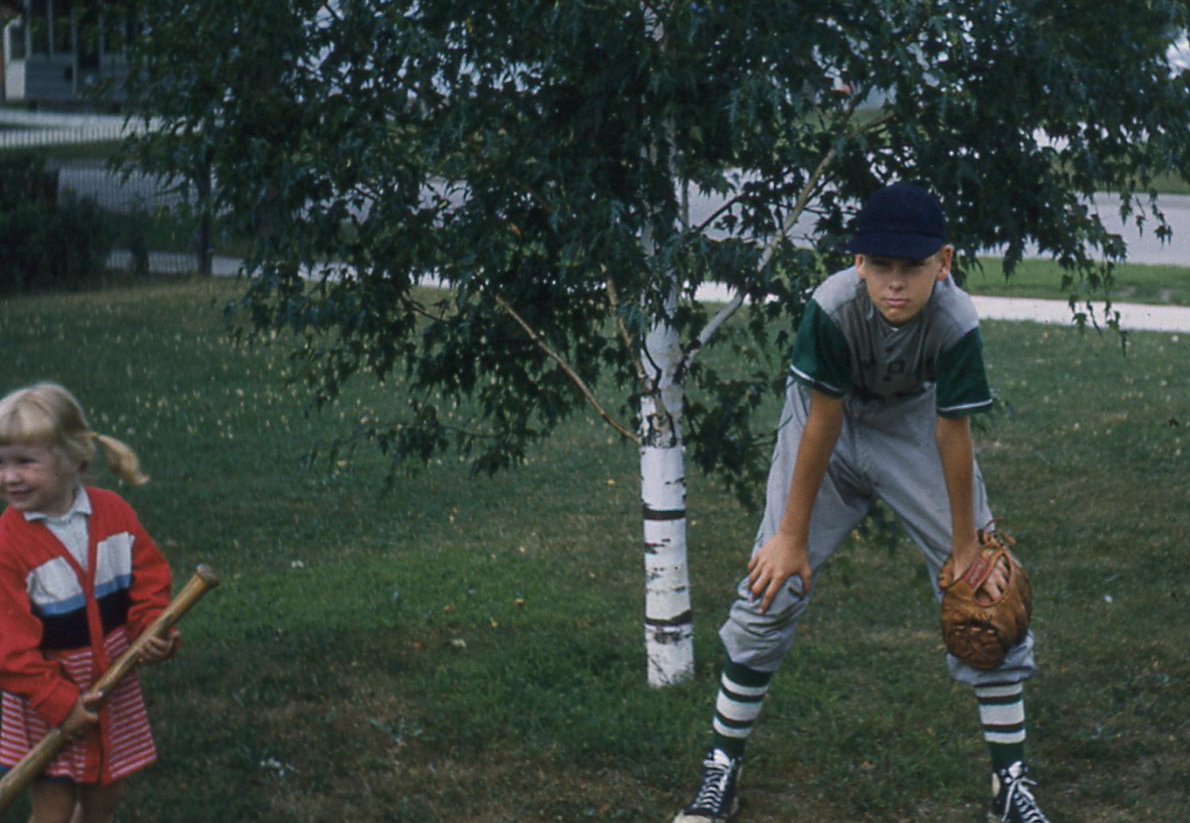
point(30, 766)
point(202, 581)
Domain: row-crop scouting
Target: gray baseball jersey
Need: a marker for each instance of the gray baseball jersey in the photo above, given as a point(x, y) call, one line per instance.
point(844, 346)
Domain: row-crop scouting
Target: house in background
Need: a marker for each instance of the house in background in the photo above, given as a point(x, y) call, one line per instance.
point(9, 10)
point(58, 53)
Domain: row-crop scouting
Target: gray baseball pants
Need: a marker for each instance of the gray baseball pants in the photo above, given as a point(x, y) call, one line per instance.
point(886, 450)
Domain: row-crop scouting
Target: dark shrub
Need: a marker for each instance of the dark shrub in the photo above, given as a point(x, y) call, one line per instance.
point(47, 241)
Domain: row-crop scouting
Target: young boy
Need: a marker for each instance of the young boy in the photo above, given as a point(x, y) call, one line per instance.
point(888, 366)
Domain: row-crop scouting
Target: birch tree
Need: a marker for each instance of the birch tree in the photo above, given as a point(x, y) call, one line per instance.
point(570, 173)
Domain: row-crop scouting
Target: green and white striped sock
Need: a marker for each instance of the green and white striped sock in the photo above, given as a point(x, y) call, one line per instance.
point(1002, 713)
point(741, 694)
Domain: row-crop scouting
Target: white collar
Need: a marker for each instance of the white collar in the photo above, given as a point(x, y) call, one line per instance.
point(81, 505)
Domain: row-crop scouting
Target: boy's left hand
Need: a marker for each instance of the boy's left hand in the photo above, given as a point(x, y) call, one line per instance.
point(985, 608)
point(996, 584)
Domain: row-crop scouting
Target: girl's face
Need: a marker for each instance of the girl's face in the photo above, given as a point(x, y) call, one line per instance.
point(37, 478)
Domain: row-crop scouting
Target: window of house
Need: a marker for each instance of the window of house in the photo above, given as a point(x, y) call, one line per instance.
point(115, 30)
point(39, 27)
point(62, 33)
point(16, 41)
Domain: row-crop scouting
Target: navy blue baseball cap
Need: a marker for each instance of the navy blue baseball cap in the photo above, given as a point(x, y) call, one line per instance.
point(900, 220)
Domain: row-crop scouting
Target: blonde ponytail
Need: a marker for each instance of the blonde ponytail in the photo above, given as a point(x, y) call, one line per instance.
point(48, 413)
point(121, 459)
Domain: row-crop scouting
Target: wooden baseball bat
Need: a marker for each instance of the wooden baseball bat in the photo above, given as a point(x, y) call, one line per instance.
point(35, 762)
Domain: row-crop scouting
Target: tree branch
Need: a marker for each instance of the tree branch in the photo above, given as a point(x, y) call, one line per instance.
point(712, 327)
point(579, 383)
point(613, 299)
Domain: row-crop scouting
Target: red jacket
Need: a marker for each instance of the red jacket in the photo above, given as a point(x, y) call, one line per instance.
point(48, 604)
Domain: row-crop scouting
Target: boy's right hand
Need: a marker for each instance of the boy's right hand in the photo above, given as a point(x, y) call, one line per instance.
point(781, 557)
point(84, 715)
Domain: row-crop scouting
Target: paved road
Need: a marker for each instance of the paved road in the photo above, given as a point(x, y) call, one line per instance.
point(1143, 245)
point(138, 191)
point(36, 128)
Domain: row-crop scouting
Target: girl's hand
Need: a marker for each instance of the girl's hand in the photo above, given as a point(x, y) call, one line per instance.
point(157, 649)
point(83, 716)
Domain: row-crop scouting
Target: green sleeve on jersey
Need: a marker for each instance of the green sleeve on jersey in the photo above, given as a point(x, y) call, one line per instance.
point(962, 380)
point(821, 357)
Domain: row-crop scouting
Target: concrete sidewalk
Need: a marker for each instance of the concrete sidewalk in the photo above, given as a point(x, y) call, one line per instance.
point(1133, 316)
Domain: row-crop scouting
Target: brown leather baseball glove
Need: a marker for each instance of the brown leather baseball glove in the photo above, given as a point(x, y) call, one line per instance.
point(976, 628)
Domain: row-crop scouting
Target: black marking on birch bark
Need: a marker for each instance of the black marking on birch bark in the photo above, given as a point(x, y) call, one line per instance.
point(684, 619)
point(663, 514)
point(653, 575)
point(656, 547)
point(672, 637)
point(657, 429)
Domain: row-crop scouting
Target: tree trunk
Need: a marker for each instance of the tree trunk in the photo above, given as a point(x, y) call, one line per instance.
point(204, 246)
point(669, 619)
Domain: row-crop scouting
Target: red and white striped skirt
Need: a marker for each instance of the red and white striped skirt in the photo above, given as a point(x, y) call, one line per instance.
point(120, 745)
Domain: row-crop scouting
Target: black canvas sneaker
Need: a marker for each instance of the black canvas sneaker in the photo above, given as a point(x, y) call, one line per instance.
point(715, 800)
point(1014, 801)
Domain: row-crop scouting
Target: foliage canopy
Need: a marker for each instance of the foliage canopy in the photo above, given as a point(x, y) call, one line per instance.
point(518, 150)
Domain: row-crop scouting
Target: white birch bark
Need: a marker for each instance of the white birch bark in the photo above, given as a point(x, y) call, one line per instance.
point(669, 619)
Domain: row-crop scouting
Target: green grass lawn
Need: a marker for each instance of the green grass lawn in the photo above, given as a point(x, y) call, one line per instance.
point(471, 649)
point(1134, 283)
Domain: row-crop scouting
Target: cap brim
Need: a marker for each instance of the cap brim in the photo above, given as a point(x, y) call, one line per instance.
point(903, 246)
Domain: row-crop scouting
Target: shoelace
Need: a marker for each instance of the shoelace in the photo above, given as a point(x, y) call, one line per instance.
point(1020, 797)
point(714, 784)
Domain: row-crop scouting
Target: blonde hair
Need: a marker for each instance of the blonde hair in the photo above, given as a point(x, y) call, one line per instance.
point(48, 414)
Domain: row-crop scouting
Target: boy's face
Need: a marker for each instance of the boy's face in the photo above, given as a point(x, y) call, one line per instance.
point(901, 288)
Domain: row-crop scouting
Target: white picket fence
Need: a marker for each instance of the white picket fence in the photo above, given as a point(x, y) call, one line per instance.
point(19, 128)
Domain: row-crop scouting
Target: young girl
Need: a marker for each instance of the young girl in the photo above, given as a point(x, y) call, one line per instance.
point(79, 580)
